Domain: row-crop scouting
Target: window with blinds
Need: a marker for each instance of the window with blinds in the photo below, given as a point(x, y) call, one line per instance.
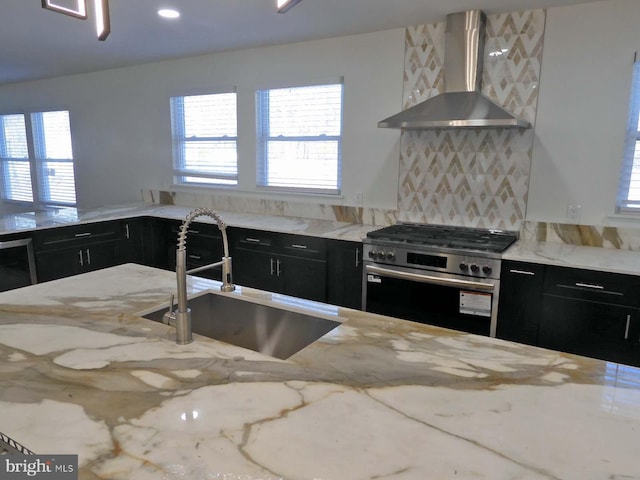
point(300, 138)
point(205, 134)
point(629, 187)
point(45, 154)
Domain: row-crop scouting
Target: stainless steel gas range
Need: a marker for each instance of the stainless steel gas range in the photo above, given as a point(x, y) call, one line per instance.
point(435, 274)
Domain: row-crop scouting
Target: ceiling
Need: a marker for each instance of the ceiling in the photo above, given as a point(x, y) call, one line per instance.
point(46, 44)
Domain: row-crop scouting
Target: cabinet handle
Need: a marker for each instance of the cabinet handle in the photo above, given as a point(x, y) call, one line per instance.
point(126, 230)
point(626, 329)
point(86, 234)
point(589, 285)
point(272, 267)
point(195, 257)
point(81, 258)
point(357, 257)
point(298, 245)
point(88, 257)
point(522, 272)
point(278, 268)
point(193, 231)
point(252, 240)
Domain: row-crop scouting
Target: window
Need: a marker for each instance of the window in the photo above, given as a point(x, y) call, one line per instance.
point(37, 147)
point(300, 138)
point(629, 187)
point(205, 139)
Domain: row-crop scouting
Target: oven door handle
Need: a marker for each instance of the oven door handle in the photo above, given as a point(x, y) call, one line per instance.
point(418, 277)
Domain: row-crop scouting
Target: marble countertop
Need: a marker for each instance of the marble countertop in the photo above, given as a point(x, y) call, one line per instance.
point(58, 217)
point(82, 373)
point(575, 256)
point(550, 253)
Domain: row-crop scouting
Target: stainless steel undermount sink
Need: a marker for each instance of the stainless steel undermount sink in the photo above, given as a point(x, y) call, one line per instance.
point(262, 328)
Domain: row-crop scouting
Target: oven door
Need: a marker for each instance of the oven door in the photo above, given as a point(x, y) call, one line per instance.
point(17, 264)
point(435, 298)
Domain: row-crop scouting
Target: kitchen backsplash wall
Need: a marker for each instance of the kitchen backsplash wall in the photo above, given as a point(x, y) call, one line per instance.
point(476, 178)
point(452, 177)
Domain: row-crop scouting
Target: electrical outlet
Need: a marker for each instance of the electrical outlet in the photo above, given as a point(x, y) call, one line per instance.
point(573, 213)
point(357, 198)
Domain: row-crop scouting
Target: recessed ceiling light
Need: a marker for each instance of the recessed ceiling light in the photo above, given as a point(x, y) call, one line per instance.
point(168, 13)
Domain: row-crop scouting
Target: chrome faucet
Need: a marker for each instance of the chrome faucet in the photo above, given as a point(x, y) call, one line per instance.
point(182, 316)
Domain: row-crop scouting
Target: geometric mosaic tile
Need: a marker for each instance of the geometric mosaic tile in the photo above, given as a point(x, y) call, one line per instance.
point(476, 178)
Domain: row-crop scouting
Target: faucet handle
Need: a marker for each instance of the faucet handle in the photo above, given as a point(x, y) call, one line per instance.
point(169, 318)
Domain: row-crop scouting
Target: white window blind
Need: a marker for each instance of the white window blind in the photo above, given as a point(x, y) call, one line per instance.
point(205, 131)
point(51, 159)
point(300, 138)
point(629, 186)
point(15, 165)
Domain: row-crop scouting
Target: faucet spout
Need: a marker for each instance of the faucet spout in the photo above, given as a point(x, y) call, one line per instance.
point(183, 313)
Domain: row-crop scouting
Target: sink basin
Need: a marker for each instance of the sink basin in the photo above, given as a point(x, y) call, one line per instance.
point(262, 328)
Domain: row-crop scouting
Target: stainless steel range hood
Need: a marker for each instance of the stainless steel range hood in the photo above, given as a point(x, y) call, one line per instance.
point(461, 105)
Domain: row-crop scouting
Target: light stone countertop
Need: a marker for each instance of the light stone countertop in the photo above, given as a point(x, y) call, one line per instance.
point(82, 373)
point(575, 256)
point(550, 253)
point(30, 221)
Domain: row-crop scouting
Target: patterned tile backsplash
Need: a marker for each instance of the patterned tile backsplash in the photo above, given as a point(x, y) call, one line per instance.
point(476, 178)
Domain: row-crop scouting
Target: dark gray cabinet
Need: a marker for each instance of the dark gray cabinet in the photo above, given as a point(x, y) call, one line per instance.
point(283, 263)
point(520, 303)
point(65, 251)
point(344, 273)
point(591, 313)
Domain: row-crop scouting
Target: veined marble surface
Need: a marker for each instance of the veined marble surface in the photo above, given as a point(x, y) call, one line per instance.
point(57, 217)
point(82, 373)
point(575, 256)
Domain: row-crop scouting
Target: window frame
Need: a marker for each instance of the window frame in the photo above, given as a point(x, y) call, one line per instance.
point(179, 141)
point(263, 138)
point(36, 160)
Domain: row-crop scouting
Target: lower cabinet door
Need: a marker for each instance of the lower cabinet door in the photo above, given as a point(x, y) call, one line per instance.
point(598, 330)
point(256, 270)
point(303, 278)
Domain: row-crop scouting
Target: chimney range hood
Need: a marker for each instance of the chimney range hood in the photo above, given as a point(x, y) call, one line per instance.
point(461, 105)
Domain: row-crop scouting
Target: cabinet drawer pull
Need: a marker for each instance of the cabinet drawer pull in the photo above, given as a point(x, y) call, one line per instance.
point(357, 257)
point(193, 231)
point(298, 245)
point(88, 257)
point(252, 240)
point(272, 265)
point(278, 268)
point(626, 329)
point(86, 234)
point(126, 231)
point(195, 257)
point(81, 258)
point(589, 285)
point(522, 272)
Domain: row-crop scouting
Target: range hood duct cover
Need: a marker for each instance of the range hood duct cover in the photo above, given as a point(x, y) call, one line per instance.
point(461, 105)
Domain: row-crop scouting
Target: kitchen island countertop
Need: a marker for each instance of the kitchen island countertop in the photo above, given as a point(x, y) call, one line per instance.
point(83, 373)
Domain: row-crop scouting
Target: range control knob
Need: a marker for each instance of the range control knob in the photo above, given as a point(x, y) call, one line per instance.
point(391, 256)
point(474, 268)
point(486, 269)
point(372, 254)
point(464, 267)
point(380, 255)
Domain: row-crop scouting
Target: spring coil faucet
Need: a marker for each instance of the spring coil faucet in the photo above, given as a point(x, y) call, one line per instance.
point(182, 316)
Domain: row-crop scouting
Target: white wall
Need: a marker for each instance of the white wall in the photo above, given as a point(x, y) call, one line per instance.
point(121, 126)
point(582, 110)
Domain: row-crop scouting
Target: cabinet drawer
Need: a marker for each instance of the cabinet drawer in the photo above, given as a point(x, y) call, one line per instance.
point(590, 285)
point(255, 240)
point(303, 246)
point(63, 237)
